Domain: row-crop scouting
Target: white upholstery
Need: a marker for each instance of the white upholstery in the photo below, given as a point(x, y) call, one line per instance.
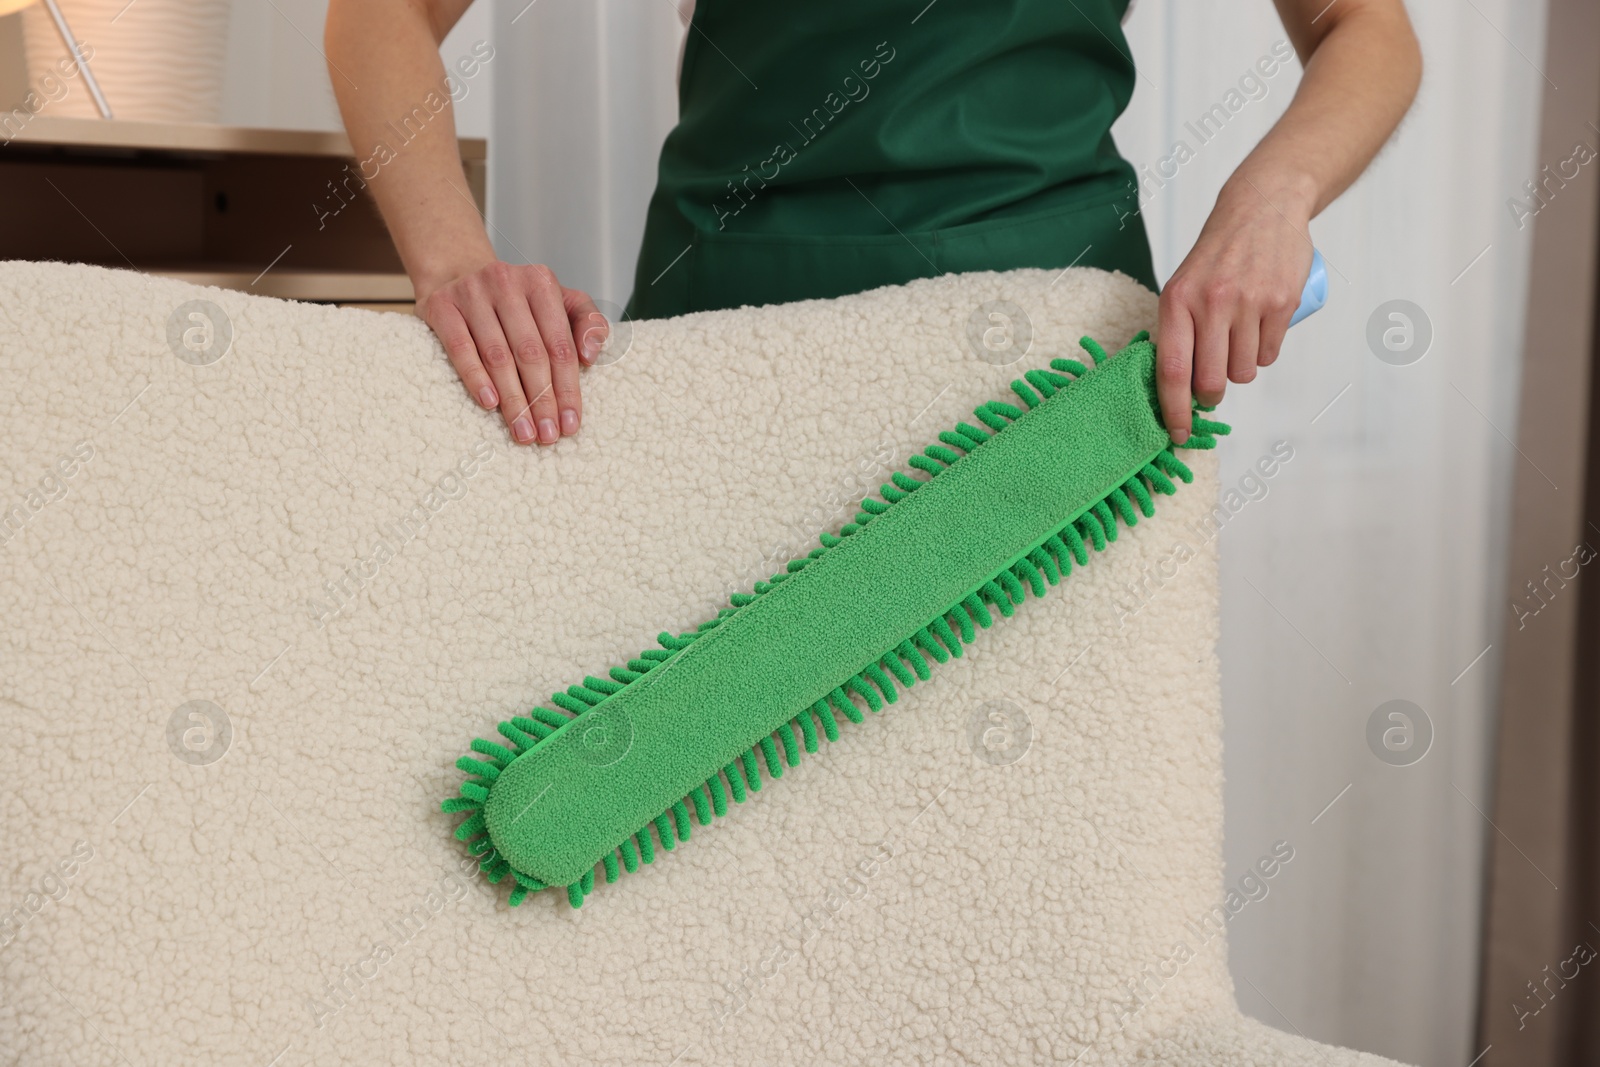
point(211, 532)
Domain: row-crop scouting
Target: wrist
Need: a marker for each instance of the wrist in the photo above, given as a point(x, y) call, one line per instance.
point(437, 271)
point(1291, 192)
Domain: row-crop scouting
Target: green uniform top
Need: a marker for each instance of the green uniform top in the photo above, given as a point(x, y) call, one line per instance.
point(837, 146)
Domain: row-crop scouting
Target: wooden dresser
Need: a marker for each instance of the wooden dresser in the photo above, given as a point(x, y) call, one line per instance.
point(271, 212)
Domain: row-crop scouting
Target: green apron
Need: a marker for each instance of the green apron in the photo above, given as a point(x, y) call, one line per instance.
point(841, 145)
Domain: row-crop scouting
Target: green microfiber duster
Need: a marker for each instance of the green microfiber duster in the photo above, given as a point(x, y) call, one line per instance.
point(664, 742)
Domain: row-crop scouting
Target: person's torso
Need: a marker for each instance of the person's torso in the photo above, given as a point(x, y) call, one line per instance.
point(840, 146)
point(912, 116)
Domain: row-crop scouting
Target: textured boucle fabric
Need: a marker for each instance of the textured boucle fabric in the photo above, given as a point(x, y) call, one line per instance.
point(254, 603)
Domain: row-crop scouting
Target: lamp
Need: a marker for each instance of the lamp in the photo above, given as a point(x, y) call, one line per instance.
point(8, 7)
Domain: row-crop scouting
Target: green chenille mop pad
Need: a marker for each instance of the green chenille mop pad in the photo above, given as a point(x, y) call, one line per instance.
point(985, 516)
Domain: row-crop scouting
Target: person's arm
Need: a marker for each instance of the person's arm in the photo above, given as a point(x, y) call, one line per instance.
point(1225, 309)
point(508, 329)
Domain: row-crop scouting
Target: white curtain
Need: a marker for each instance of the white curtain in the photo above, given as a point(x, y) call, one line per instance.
point(1367, 571)
point(1370, 570)
point(583, 99)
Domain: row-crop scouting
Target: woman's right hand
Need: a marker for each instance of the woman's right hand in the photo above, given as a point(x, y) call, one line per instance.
point(515, 336)
point(513, 333)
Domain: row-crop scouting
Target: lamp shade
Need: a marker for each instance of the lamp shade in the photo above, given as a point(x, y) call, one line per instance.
point(159, 60)
point(9, 7)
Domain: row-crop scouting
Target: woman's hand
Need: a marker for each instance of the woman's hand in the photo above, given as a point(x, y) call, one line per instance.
point(515, 336)
point(1225, 310)
point(513, 333)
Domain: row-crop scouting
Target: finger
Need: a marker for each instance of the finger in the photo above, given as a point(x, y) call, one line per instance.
point(589, 327)
point(495, 352)
point(550, 311)
point(1274, 325)
point(528, 352)
point(1211, 356)
point(448, 322)
point(1273, 329)
point(1244, 343)
point(1174, 350)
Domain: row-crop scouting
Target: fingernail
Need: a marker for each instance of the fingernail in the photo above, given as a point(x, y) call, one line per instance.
point(547, 431)
point(594, 337)
point(569, 421)
point(487, 398)
point(1179, 436)
point(522, 429)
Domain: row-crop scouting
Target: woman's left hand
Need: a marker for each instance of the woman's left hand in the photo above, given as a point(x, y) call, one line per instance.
point(1226, 308)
